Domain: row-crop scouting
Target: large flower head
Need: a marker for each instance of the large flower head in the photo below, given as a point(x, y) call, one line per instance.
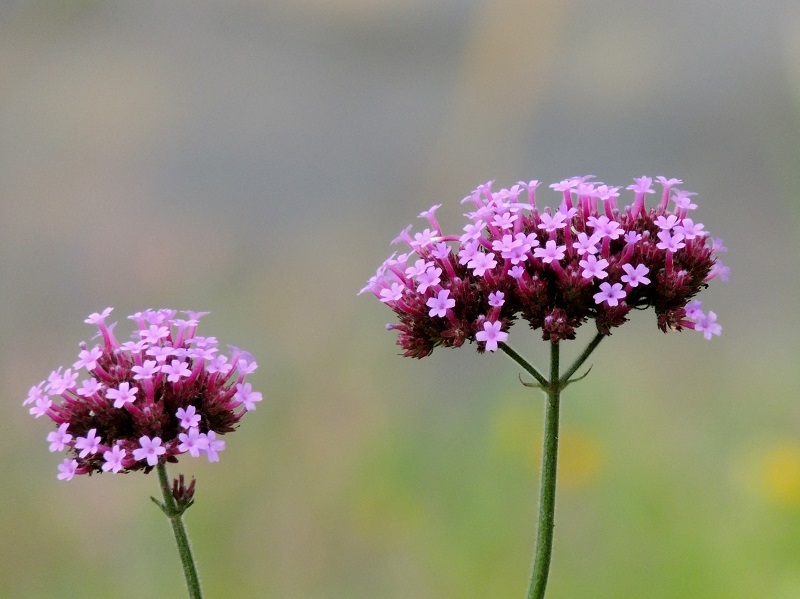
point(554, 268)
point(129, 406)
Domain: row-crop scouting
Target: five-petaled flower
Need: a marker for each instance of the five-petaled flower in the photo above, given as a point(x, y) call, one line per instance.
point(145, 401)
point(555, 269)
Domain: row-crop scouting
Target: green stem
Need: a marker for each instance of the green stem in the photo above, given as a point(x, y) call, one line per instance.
point(527, 366)
point(581, 359)
point(547, 489)
point(170, 508)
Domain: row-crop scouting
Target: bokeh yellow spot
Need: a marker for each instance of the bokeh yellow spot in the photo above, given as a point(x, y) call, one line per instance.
point(780, 473)
point(516, 434)
point(581, 459)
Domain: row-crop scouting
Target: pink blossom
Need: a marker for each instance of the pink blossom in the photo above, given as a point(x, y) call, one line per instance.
point(670, 243)
point(89, 444)
point(149, 449)
point(58, 439)
point(496, 299)
point(114, 459)
point(393, 293)
point(89, 387)
point(214, 446)
point(67, 469)
point(188, 417)
point(440, 304)
point(87, 358)
point(635, 275)
point(98, 317)
point(123, 394)
point(246, 395)
point(430, 278)
point(666, 223)
point(708, 325)
point(193, 441)
point(593, 268)
point(177, 370)
point(550, 252)
point(610, 294)
point(219, 364)
point(481, 262)
point(90, 421)
point(491, 335)
point(585, 244)
point(689, 229)
point(146, 371)
point(604, 227)
point(552, 223)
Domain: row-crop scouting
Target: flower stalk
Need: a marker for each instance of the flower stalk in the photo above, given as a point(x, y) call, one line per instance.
point(174, 511)
point(547, 485)
point(555, 269)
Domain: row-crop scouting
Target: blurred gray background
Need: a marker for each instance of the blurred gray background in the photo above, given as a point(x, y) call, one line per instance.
point(255, 159)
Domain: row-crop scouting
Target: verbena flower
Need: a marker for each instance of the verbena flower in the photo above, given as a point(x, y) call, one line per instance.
point(555, 269)
point(165, 392)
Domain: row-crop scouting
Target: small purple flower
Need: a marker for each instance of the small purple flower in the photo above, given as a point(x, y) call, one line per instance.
point(176, 370)
point(89, 444)
point(491, 335)
point(481, 262)
point(188, 417)
point(149, 449)
point(146, 371)
point(550, 252)
point(58, 439)
point(440, 304)
point(122, 395)
point(609, 294)
point(708, 325)
point(245, 395)
point(551, 224)
point(87, 358)
point(89, 387)
point(593, 268)
point(67, 469)
point(114, 459)
point(214, 446)
point(666, 223)
point(671, 243)
point(496, 299)
point(635, 276)
point(586, 244)
point(430, 278)
point(193, 442)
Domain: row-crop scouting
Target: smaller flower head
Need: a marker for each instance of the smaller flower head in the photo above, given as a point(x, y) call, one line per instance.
point(137, 397)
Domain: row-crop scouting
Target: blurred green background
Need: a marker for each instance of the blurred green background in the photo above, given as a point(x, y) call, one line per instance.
point(255, 159)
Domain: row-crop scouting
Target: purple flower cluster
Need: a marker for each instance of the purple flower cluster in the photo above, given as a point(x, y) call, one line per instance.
point(165, 392)
point(553, 268)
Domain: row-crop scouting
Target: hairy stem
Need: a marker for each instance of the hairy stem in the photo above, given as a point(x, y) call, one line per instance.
point(174, 513)
point(547, 488)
